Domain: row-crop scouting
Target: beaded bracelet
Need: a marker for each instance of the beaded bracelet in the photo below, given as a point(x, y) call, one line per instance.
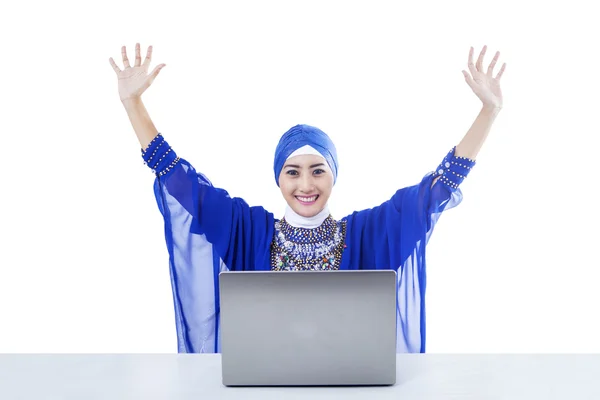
point(153, 142)
point(159, 156)
point(151, 154)
point(453, 169)
point(169, 167)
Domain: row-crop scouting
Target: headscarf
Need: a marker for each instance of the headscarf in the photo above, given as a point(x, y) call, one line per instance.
point(300, 136)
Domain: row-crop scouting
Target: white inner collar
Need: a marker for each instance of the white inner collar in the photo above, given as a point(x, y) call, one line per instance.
point(298, 221)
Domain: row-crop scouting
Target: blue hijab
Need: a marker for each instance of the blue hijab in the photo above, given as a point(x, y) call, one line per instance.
point(302, 135)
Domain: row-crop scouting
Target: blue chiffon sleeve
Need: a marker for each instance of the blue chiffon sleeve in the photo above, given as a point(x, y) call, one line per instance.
point(206, 232)
point(394, 236)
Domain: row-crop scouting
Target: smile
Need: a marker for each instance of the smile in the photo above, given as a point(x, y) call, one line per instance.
point(307, 200)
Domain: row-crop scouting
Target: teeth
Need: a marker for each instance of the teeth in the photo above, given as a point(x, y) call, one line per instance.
point(307, 199)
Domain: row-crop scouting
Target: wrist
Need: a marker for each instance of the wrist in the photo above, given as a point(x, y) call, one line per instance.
point(131, 102)
point(491, 109)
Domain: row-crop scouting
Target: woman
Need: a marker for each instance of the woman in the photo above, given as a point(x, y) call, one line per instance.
point(207, 231)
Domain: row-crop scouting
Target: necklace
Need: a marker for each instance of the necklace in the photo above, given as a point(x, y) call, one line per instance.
point(304, 249)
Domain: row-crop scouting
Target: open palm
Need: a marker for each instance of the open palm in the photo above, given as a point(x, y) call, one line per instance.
point(484, 84)
point(133, 81)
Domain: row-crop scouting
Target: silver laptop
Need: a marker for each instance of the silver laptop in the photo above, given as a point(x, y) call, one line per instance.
point(308, 328)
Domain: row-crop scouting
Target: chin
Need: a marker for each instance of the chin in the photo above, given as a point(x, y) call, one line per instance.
point(308, 212)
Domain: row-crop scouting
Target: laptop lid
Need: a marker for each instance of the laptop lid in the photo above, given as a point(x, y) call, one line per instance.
point(308, 327)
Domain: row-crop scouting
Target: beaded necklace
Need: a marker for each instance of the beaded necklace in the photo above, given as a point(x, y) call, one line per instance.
point(303, 249)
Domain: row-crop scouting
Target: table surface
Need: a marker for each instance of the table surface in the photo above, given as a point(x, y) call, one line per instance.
point(198, 376)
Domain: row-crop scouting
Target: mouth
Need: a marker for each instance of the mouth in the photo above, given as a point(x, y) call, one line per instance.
point(307, 200)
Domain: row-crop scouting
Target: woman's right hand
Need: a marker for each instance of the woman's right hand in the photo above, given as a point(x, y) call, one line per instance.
point(133, 81)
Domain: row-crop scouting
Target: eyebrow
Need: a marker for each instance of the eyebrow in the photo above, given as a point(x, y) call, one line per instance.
point(297, 166)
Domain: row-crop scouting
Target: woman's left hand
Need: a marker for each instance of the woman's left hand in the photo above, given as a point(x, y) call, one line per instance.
point(484, 84)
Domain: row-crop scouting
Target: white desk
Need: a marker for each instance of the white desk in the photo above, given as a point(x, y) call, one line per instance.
point(195, 376)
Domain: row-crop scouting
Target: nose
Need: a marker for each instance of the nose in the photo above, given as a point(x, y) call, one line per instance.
point(306, 184)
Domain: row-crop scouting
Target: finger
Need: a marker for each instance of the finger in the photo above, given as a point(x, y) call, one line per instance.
point(469, 79)
point(501, 72)
point(114, 65)
point(148, 56)
point(155, 72)
point(125, 59)
point(152, 76)
point(470, 63)
point(479, 64)
point(138, 58)
point(490, 69)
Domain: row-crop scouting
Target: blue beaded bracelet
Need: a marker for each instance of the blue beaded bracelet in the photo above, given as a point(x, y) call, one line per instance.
point(157, 139)
point(153, 147)
point(169, 167)
point(154, 152)
point(159, 156)
point(453, 170)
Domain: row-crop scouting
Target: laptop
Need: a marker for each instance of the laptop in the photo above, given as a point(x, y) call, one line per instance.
point(308, 328)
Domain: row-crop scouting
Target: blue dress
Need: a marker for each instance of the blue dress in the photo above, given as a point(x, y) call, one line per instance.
point(207, 232)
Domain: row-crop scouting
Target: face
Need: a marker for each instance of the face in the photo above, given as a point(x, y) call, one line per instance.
point(306, 182)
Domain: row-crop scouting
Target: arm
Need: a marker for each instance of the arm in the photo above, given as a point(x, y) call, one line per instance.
point(156, 152)
point(188, 201)
point(472, 142)
point(140, 121)
point(133, 82)
point(487, 89)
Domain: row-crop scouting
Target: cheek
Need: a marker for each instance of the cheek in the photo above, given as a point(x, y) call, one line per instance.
point(282, 182)
point(327, 184)
point(285, 186)
point(325, 191)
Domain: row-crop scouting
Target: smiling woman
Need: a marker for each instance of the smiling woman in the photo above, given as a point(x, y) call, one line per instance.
point(207, 231)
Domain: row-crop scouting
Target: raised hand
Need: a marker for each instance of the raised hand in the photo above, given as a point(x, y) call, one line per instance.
point(484, 84)
point(133, 81)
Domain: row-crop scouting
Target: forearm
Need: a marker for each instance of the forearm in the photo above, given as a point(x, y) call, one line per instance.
point(140, 120)
point(472, 142)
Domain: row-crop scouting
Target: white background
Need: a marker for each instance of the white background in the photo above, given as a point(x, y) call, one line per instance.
point(83, 265)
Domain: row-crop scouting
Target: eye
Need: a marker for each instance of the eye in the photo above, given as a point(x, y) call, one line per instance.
point(318, 171)
point(292, 172)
